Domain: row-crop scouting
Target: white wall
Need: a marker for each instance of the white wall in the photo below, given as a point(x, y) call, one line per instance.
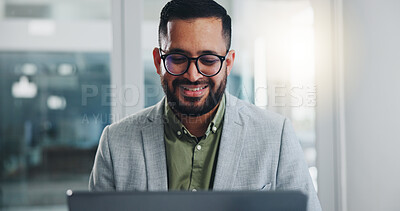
point(372, 103)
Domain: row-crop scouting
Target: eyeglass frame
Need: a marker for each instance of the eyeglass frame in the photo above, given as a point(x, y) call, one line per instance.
point(196, 59)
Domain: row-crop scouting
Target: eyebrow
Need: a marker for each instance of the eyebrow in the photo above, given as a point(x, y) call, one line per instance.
point(179, 50)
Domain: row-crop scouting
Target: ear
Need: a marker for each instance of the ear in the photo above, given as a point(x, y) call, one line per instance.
point(157, 60)
point(229, 61)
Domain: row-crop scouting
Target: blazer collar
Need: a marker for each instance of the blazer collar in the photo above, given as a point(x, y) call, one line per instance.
point(231, 145)
point(154, 149)
point(157, 111)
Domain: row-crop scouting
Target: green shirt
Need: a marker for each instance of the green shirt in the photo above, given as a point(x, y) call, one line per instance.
point(191, 162)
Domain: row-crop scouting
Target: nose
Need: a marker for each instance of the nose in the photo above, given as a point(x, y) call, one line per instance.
point(192, 74)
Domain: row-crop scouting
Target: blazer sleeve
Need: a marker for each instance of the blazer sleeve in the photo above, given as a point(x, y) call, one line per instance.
point(292, 172)
point(102, 177)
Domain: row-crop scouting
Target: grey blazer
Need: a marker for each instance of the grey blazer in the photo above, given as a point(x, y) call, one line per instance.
point(258, 151)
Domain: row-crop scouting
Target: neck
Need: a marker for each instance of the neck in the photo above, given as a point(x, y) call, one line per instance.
point(197, 125)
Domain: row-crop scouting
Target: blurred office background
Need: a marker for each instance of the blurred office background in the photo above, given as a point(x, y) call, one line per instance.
point(68, 68)
point(49, 52)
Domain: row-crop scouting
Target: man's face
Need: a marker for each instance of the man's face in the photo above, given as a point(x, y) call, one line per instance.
point(192, 93)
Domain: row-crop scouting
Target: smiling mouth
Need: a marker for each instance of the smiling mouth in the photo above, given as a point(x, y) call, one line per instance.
point(194, 89)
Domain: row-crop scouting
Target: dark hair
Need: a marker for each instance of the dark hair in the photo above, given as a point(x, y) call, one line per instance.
point(188, 9)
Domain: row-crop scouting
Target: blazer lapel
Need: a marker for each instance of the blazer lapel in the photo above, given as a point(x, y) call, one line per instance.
point(154, 150)
point(231, 145)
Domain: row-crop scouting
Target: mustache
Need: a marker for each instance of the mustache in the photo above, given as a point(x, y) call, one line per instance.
point(184, 81)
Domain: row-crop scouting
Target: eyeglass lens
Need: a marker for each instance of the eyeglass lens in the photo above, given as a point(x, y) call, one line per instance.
point(206, 64)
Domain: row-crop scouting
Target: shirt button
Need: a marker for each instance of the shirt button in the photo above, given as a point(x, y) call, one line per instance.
point(194, 190)
point(179, 133)
point(214, 129)
point(198, 147)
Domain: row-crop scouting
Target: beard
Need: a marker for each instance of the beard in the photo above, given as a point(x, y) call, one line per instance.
point(189, 107)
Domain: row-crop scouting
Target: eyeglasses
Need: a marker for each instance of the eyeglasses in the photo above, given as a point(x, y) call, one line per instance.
point(207, 64)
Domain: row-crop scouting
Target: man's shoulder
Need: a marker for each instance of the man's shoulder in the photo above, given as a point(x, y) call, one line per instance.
point(256, 114)
point(139, 119)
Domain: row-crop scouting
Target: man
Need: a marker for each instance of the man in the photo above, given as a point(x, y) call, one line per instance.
point(199, 137)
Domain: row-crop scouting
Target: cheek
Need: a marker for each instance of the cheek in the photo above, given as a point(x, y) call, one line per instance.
point(167, 79)
point(218, 79)
point(216, 82)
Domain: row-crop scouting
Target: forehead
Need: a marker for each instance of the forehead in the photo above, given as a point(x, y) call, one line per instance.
point(193, 35)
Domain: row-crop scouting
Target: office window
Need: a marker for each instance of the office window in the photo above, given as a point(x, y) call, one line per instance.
point(54, 91)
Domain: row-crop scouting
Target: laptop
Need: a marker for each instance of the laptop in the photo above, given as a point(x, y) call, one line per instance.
point(179, 201)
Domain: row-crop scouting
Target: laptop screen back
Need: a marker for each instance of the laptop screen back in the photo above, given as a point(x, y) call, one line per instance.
point(196, 201)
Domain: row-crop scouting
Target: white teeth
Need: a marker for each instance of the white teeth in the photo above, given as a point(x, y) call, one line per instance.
point(195, 89)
